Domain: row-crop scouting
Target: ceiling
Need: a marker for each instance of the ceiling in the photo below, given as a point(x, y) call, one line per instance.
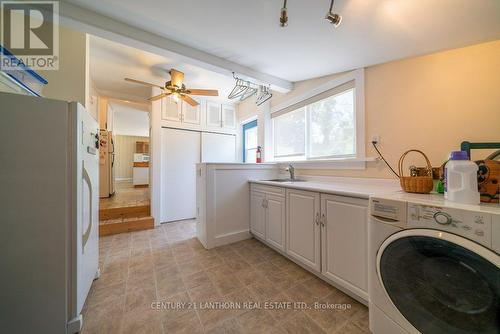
point(111, 62)
point(372, 31)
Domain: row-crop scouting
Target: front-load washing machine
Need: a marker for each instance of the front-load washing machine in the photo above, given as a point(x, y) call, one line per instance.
point(434, 267)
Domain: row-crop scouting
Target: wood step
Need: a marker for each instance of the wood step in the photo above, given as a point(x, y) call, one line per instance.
point(125, 212)
point(123, 225)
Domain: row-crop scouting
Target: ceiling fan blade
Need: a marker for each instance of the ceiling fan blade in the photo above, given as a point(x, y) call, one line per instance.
point(205, 92)
point(176, 78)
point(189, 100)
point(157, 97)
point(143, 83)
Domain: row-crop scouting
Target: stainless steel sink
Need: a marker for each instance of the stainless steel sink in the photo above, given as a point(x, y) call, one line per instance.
point(284, 180)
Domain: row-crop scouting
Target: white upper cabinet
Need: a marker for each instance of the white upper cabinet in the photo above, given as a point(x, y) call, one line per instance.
point(344, 224)
point(303, 230)
point(207, 114)
point(214, 114)
point(228, 116)
point(170, 111)
point(191, 114)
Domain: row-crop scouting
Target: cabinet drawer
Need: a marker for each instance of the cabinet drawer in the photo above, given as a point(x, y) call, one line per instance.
point(267, 189)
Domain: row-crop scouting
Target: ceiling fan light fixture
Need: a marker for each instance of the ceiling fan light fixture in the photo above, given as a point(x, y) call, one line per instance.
point(175, 97)
point(284, 15)
point(333, 18)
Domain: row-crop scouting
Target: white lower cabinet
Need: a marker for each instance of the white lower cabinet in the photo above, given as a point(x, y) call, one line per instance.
point(268, 216)
point(303, 230)
point(258, 214)
point(344, 238)
point(325, 233)
point(275, 221)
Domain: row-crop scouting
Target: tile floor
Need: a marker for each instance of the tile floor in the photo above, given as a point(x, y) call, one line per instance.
point(142, 272)
point(125, 195)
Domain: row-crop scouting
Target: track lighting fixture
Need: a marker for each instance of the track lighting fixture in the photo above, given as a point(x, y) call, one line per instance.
point(284, 15)
point(333, 18)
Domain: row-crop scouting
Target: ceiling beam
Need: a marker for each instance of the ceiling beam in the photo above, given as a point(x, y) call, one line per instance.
point(106, 27)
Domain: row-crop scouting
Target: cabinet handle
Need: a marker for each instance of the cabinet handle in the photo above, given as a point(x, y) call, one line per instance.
point(323, 220)
point(264, 203)
point(317, 218)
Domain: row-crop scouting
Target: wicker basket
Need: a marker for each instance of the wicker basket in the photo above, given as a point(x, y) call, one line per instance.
point(416, 184)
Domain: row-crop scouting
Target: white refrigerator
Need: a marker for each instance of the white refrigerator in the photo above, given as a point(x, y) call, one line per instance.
point(49, 174)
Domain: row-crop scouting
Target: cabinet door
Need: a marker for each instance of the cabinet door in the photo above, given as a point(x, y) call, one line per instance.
point(258, 214)
point(228, 117)
point(303, 231)
point(214, 114)
point(344, 241)
point(170, 110)
point(191, 114)
point(275, 221)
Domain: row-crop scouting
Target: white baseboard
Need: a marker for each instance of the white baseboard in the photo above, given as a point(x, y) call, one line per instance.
point(229, 238)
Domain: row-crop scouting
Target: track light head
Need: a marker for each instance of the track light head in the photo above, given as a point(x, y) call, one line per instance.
point(284, 15)
point(333, 18)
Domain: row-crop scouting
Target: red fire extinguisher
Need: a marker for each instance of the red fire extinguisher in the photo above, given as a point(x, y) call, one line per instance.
point(259, 155)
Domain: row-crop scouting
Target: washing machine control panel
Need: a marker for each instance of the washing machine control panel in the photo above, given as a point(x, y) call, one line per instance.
point(470, 224)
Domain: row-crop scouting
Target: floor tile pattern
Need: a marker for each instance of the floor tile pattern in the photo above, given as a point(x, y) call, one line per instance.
point(151, 280)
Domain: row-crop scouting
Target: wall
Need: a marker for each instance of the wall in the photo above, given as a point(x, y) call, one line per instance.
point(129, 121)
point(124, 157)
point(92, 99)
point(70, 82)
point(432, 103)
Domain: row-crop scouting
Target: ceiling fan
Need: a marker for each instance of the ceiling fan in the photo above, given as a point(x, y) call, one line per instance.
point(176, 88)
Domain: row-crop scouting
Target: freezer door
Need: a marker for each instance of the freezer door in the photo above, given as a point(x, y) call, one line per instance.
point(87, 245)
point(216, 147)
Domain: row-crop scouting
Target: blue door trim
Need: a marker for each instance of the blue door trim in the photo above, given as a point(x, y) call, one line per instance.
point(247, 126)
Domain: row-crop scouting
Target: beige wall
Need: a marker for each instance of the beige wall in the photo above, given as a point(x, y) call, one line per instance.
point(70, 82)
point(124, 155)
point(432, 103)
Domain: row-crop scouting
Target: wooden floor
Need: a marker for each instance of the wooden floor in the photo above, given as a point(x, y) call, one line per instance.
point(126, 195)
point(126, 211)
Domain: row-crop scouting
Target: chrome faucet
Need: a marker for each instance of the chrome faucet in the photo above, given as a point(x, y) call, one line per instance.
point(291, 170)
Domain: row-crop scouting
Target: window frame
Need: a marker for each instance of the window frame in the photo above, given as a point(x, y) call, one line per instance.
point(247, 126)
point(356, 161)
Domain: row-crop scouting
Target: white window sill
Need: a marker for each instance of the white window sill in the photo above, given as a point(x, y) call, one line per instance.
point(350, 163)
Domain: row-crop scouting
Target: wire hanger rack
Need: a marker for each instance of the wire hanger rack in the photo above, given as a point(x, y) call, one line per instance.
point(243, 89)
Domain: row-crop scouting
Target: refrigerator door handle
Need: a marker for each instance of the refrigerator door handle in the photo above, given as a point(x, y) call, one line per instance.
point(86, 235)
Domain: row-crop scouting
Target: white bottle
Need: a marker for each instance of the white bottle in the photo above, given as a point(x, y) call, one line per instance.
point(461, 179)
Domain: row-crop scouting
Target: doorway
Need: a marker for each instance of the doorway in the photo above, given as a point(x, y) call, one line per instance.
point(124, 166)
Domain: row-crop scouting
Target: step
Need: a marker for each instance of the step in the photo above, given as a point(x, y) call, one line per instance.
point(123, 225)
point(125, 212)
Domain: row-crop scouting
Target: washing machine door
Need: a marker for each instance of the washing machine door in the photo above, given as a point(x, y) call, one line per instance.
point(440, 282)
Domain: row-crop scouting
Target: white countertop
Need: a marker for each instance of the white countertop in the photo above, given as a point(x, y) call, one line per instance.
point(343, 186)
point(380, 188)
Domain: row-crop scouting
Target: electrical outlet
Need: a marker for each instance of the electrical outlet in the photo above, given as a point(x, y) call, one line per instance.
point(376, 139)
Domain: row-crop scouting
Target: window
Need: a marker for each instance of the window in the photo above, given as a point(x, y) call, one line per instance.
point(250, 141)
point(320, 125)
